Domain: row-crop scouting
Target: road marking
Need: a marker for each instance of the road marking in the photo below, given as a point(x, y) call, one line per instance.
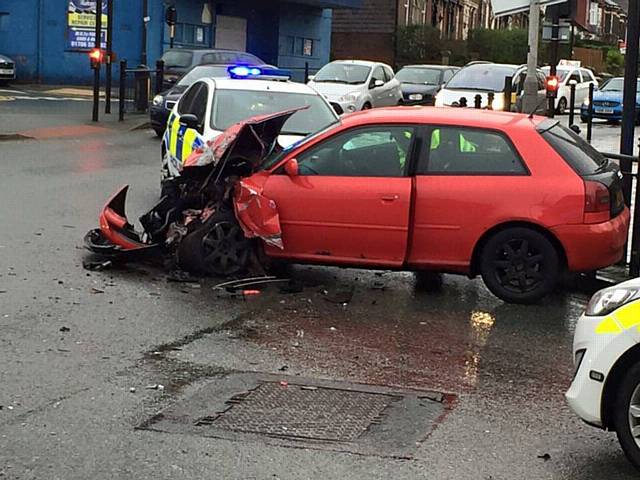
point(6, 98)
point(52, 99)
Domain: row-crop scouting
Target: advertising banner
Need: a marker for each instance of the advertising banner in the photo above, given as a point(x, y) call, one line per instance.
point(81, 24)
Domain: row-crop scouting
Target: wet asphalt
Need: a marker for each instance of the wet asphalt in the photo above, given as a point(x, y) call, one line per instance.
point(78, 349)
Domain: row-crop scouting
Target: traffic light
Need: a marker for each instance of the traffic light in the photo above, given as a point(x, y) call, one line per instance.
point(96, 56)
point(551, 84)
point(171, 16)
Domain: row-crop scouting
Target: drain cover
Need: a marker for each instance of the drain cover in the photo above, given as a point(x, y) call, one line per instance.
point(307, 413)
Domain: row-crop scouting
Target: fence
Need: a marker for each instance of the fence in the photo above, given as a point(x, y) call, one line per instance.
point(138, 86)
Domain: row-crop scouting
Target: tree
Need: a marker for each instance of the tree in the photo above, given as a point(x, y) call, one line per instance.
point(418, 44)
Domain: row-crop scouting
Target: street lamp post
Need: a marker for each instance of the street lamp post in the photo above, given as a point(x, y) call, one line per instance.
point(530, 98)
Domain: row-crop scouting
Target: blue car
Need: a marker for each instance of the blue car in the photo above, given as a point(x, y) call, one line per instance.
point(607, 101)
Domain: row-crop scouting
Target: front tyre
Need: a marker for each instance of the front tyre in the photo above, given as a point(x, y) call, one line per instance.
point(626, 414)
point(519, 265)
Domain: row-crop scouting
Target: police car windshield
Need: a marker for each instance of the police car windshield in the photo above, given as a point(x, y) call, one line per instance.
point(343, 73)
point(484, 77)
point(233, 106)
point(203, 71)
point(176, 58)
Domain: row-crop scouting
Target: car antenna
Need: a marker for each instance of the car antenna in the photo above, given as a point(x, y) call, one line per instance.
point(536, 108)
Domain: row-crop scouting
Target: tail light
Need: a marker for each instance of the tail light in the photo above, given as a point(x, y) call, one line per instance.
point(597, 202)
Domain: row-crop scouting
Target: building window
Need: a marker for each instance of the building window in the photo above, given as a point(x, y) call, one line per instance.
point(4, 22)
point(307, 47)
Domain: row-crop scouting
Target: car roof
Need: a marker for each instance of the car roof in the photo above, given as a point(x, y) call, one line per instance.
point(197, 49)
point(469, 117)
point(262, 85)
point(438, 67)
point(365, 63)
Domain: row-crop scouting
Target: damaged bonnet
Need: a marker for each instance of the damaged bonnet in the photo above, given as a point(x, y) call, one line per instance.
point(248, 141)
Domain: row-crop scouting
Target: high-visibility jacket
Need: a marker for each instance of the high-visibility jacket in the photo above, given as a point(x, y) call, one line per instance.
point(465, 145)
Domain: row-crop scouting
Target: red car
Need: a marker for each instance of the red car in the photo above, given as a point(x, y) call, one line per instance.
point(515, 199)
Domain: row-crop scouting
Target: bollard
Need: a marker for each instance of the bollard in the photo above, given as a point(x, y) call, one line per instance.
point(590, 114)
point(306, 72)
point(463, 102)
point(477, 101)
point(508, 92)
point(490, 98)
point(572, 102)
point(159, 76)
point(121, 93)
point(141, 88)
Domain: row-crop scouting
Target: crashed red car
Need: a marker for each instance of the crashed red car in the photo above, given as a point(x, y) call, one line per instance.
point(513, 198)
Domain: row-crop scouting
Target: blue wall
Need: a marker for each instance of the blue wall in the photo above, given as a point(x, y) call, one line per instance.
point(33, 33)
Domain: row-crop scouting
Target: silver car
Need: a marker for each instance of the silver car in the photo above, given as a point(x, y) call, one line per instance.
point(7, 69)
point(352, 85)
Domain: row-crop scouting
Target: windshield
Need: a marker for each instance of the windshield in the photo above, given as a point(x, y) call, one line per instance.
point(419, 76)
point(177, 58)
point(343, 73)
point(481, 77)
point(203, 72)
point(233, 106)
point(617, 85)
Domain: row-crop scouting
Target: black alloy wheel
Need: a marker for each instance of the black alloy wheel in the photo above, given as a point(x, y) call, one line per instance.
point(520, 265)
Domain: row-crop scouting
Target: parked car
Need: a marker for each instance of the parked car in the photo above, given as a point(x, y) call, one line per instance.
point(7, 69)
point(480, 78)
point(607, 101)
point(517, 200)
point(420, 83)
point(211, 105)
point(605, 391)
point(581, 77)
point(163, 103)
point(352, 85)
point(177, 61)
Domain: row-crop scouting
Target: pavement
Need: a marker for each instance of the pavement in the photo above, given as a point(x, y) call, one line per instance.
point(90, 362)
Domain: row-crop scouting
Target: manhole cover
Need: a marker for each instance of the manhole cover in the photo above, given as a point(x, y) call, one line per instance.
point(305, 412)
point(308, 413)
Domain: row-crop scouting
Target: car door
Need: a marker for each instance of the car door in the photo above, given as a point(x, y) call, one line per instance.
point(467, 180)
point(582, 89)
point(394, 92)
point(182, 140)
point(350, 202)
point(378, 94)
point(587, 79)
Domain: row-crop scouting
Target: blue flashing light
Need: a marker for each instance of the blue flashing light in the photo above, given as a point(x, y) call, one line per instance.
point(244, 71)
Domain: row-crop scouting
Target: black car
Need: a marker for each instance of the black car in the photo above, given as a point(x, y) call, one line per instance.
point(177, 61)
point(420, 83)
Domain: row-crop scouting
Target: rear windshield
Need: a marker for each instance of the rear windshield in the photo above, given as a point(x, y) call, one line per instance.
point(582, 157)
point(177, 58)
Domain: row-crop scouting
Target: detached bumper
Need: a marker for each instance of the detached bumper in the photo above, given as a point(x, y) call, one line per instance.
point(592, 246)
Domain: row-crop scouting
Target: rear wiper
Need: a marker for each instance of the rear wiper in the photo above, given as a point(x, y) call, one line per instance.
point(603, 165)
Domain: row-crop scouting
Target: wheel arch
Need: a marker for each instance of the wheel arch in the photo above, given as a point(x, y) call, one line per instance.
point(479, 246)
point(611, 384)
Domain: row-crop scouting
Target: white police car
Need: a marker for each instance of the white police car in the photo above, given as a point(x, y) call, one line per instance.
point(605, 391)
point(211, 105)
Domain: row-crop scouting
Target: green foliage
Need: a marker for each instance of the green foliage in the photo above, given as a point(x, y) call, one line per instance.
point(418, 44)
point(501, 46)
point(615, 62)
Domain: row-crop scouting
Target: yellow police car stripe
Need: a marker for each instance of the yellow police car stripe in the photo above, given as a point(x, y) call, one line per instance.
point(187, 143)
point(173, 143)
point(622, 319)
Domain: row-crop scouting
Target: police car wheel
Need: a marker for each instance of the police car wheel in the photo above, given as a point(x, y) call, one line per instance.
point(218, 247)
point(626, 414)
point(519, 265)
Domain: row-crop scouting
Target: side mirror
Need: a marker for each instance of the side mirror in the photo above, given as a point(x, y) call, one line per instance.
point(189, 120)
point(377, 83)
point(291, 167)
point(311, 77)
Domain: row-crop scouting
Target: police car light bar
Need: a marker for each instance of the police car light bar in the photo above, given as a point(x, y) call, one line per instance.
point(261, 73)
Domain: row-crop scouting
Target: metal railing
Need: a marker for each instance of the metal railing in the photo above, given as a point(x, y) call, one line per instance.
point(138, 86)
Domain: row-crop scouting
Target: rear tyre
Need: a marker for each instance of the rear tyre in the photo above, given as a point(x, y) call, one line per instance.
point(626, 414)
point(519, 265)
point(218, 247)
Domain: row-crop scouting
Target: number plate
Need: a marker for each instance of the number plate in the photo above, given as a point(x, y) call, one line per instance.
point(608, 111)
point(4, 71)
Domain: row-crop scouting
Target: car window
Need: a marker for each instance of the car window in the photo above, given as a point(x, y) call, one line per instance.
point(388, 74)
point(177, 58)
point(366, 152)
point(541, 80)
point(575, 76)
point(184, 105)
point(579, 154)
point(199, 104)
point(587, 76)
point(378, 74)
point(447, 75)
point(465, 151)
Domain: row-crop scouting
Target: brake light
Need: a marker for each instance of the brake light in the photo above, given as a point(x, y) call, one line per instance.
point(597, 202)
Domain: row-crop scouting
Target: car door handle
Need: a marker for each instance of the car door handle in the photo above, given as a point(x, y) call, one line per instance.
point(389, 198)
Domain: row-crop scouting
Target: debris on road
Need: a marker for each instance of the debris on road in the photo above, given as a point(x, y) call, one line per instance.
point(155, 386)
point(96, 290)
point(340, 296)
point(65, 329)
point(97, 265)
point(545, 457)
point(132, 390)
